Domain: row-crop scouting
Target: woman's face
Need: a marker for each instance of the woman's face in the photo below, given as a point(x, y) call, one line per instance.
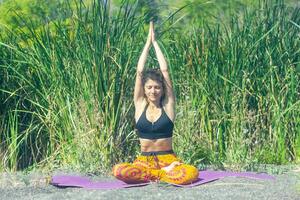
point(153, 90)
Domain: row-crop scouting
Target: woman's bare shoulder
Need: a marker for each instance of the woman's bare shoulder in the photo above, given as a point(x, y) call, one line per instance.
point(139, 108)
point(170, 110)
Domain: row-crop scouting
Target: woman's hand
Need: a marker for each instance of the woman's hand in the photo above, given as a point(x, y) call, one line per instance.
point(152, 32)
point(171, 166)
point(149, 38)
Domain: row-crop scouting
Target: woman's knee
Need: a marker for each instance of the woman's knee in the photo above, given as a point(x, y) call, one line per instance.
point(127, 170)
point(130, 173)
point(192, 174)
point(119, 168)
point(182, 174)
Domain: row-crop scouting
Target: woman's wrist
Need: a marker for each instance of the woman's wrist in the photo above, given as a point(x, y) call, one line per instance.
point(148, 44)
point(149, 40)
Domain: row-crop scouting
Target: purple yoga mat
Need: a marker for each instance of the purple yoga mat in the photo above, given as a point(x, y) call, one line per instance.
point(84, 182)
point(204, 177)
point(209, 176)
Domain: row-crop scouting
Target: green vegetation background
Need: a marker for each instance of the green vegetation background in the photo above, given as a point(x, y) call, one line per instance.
point(67, 72)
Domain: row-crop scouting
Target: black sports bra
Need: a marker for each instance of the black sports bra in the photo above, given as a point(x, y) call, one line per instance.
point(161, 128)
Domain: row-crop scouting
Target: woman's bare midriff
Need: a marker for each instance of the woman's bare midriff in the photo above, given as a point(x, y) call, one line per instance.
point(163, 144)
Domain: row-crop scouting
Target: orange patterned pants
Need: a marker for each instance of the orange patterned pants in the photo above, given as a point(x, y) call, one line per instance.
point(149, 168)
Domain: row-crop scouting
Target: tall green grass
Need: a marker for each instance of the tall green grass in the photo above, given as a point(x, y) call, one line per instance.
point(66, 91)
point(242, 83)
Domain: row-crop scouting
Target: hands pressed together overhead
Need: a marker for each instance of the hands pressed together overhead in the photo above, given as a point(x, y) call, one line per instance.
point(151, 35)
point(160, 57)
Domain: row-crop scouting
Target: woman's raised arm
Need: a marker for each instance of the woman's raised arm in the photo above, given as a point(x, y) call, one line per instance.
point(138, 88)
point(169, 97)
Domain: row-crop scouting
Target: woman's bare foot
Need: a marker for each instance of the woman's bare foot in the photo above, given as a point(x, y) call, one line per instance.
point(171, 166)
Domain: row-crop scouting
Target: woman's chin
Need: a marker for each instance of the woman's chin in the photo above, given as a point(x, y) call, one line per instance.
point(153, 99)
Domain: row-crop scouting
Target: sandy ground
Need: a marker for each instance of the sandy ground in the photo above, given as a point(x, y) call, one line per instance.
point(33, 186)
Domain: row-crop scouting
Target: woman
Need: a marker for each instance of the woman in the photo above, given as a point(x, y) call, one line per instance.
point(154, 116)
